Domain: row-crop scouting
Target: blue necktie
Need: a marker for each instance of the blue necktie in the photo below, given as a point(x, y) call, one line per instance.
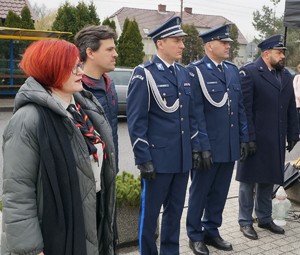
point(276, 74)
point(172, 69)
point(220, 67)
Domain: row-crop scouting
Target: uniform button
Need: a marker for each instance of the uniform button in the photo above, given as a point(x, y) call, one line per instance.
point(152, 145)
point(181, 106)
point(181, 119)
point(182, 132)
point(179, 93)
point(227, 89)
point(212, 90)
point(230, 100)
point(231, 113)
point(231, 125)
point(164, 94)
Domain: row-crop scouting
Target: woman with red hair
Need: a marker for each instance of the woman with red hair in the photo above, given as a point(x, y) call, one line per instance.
point(58, 161)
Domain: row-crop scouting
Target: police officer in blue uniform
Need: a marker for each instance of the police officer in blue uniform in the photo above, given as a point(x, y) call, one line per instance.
point(217, 92)
point(272, 120)
point(164, 136)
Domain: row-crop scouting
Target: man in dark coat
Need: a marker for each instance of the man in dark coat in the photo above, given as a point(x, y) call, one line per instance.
point(272, 120)
point(217, 91)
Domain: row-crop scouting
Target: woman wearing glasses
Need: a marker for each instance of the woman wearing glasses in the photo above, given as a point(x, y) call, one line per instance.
point(58, 161)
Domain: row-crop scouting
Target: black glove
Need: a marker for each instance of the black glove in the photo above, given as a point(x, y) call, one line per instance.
point(206, 160)
point(244, 151)
point(196, 159)
point(252, 148)
point(147, 170)
point(290, 145)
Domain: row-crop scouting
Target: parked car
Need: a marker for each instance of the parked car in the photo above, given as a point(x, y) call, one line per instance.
point(121, 77)
point(291, 70)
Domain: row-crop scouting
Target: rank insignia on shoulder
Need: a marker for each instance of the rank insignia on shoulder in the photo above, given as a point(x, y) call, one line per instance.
point(160, 66)
point(209, 66)
point(186, 84)
point(211, 82)
point(137, 76)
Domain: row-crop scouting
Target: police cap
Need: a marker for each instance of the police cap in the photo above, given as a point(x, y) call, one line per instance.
point(171, 28)
point(274, 42)
point(220, 33)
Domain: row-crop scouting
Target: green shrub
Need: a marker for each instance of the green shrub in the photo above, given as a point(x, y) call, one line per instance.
point(128, 190)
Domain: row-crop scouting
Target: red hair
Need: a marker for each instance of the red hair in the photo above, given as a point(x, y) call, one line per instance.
point(50, 62)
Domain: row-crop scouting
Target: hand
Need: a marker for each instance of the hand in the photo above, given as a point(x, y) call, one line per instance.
point(147, 170)
point(196, 159)
point(41, 253)
point(206, 160)
point(244, 151)
point(252, 148)
point(290, 145)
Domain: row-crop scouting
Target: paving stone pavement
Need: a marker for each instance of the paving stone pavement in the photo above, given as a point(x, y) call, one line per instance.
point(267, 244)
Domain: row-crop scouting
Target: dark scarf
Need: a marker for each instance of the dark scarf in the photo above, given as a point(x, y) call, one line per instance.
point(63, 227)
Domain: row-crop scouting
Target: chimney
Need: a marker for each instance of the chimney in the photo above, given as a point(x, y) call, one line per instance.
point(162, 8)
point(188, 10)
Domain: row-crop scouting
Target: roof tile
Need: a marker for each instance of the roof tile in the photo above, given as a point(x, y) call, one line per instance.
point(15, 6)
point(151, 19)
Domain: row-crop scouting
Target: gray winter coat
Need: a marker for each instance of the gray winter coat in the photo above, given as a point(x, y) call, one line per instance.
point(22, 186)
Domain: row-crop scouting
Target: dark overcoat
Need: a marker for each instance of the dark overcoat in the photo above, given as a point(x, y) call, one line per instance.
point(272, 119)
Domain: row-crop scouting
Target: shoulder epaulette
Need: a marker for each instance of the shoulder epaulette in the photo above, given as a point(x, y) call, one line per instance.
point(148, 63)
point(197, 62)
point(229, 63)
point(247, 64)
point(180, 64)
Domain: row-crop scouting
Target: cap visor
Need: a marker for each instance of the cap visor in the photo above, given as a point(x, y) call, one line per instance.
point(279, 48)
point(226, 40)
point(178, 34)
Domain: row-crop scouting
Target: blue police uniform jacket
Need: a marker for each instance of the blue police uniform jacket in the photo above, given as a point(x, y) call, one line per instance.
point(227, 125)
point(165, 138)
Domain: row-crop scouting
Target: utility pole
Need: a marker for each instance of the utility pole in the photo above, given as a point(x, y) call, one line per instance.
point(181, 9)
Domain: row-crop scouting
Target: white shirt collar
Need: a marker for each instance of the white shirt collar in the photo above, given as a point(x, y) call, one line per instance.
point(216, 63)
point(167, 64)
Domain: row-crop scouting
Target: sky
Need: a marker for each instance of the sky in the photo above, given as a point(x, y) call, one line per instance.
point(239, 12)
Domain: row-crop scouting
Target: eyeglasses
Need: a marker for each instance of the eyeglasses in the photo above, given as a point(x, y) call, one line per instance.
point(75, 68)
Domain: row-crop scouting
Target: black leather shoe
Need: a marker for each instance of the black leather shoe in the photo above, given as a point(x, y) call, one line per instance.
point(199, 248)
point(249, 232)
point(218, 243)
point(272, 227)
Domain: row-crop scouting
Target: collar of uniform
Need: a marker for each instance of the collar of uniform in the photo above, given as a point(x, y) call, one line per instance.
point(167, 64)
point(216, 64)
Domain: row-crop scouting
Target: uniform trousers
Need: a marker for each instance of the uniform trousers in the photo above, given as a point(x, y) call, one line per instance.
point(256, 196)
point(208, 194)
point(168, 190)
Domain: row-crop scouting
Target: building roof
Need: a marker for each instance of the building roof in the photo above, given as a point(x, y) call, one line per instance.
point(151, 19)
point(14, 5)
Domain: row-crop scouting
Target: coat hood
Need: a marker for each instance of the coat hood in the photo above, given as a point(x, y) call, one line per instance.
point(33, 92)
